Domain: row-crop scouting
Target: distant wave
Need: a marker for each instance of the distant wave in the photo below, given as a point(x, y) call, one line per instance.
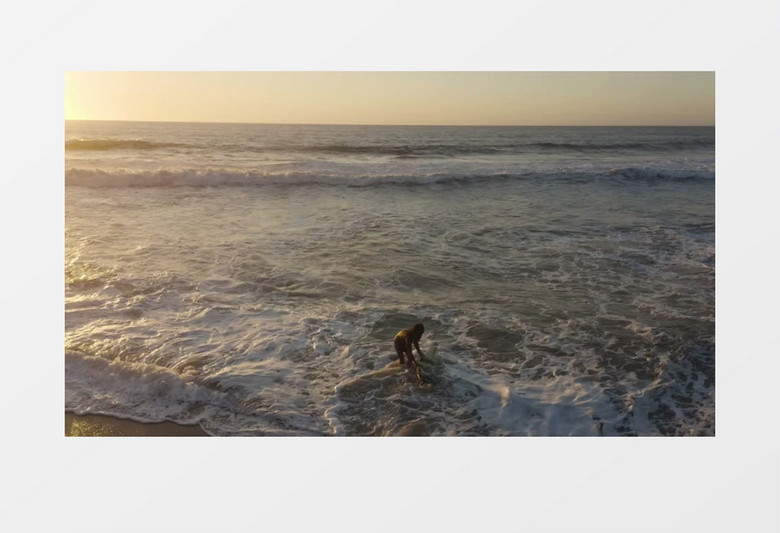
point(428, 150)
point(118, 144)
point(636, 173)
point(398, 150)
point(222, 177)
point(645, 146)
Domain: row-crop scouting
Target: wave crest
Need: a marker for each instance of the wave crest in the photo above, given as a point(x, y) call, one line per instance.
point(400, 150)
point(118, 144)
point(222, 177)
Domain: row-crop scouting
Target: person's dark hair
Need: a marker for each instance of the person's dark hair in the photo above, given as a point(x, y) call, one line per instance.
point(419, 328)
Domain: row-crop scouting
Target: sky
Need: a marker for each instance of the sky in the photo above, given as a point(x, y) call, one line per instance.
point(414, 98)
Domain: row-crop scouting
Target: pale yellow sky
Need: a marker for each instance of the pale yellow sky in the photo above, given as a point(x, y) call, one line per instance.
point(468, 98)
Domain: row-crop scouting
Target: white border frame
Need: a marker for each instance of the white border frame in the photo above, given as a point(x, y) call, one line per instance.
point(725, 483)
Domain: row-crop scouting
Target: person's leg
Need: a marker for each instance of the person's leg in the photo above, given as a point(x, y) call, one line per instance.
point(399, 349)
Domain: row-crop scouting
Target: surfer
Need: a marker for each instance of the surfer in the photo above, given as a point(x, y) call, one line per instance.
point(403, 342)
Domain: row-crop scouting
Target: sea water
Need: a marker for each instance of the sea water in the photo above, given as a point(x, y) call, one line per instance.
point(250, 278)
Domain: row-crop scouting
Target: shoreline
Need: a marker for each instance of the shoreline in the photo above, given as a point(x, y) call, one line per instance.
point(110, 426)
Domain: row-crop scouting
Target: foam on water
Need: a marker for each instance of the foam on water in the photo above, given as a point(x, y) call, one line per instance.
point(562, 294)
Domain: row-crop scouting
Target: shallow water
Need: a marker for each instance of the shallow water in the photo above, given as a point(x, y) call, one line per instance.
point(251, 278)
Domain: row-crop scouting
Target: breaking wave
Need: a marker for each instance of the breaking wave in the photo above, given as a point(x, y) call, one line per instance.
point(427, 150)
point(222, 177)
point(400, 150)
point(118, 144)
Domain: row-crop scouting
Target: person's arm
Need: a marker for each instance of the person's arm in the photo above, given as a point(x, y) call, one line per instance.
point(409, 353)
point(417, 345)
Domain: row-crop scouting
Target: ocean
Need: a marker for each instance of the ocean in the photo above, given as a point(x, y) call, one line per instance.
point(250, 278)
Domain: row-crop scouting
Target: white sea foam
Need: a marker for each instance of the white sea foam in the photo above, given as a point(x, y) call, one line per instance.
point(214, 278)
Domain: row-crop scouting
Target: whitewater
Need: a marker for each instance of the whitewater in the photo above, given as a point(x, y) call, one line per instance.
point(250, 278)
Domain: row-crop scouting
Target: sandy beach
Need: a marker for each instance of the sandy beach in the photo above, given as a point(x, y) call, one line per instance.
point(109, 426)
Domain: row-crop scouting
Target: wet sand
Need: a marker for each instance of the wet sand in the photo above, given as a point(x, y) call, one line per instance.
point(109, 426)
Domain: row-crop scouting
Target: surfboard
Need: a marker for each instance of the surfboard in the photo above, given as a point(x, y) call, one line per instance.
point(429, 368)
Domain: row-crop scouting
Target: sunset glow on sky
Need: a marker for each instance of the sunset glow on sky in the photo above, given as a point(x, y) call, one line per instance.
point(436, 98)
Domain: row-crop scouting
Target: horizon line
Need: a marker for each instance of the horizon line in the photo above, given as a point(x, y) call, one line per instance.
point(407, 125)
